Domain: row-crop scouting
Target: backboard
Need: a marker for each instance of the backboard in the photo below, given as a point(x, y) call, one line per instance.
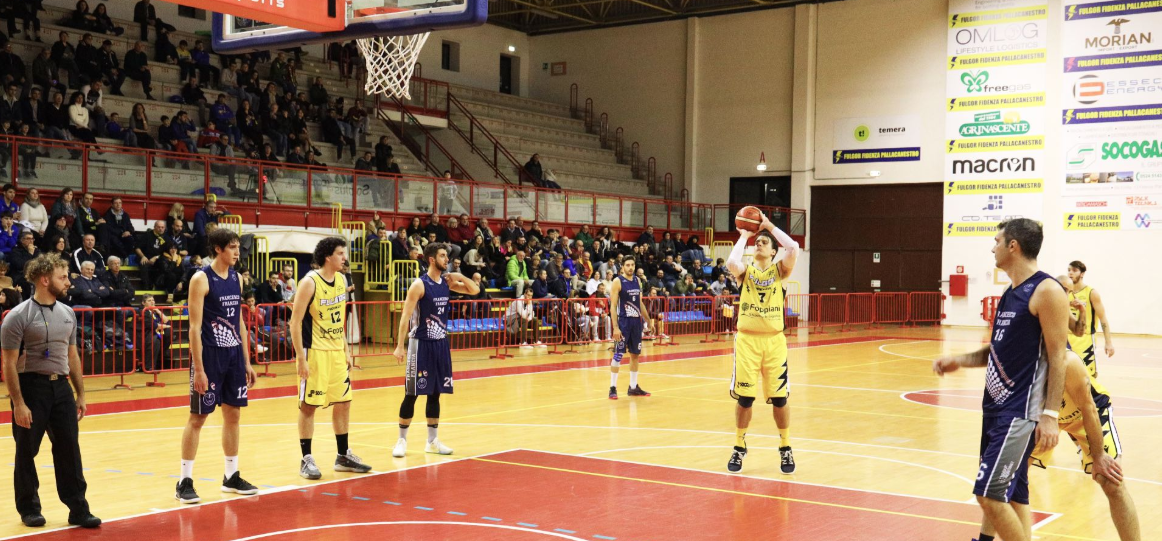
point(313, 15)
point(235, 34)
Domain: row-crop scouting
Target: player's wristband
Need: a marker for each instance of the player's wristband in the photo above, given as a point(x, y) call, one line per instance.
point(1051, 413)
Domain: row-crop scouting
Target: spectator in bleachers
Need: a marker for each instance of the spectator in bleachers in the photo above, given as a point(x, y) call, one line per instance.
point(483, 229)
point(393, 167)
point(175, 287)
point(535, 232)
point(474, 259)
point(376, 223)
point(12, 69)
point(56, 121)
point(383, 154)
point(158, 339)
point(647, 238)
point(95, 102)
point(541, 286)
point(114, 130)
point(596, 251)
point(659, 282)
point(149, 248)
point(249, 124)
point(88, 59)
point(119, 229)
point(584, 236)
point(33, 212)
point(223, 117)
point(165, 140)
point(121, 292)
point(44, 72)
point(269, 292)
point(59, 228)
point(249, 84)
point(584, 266)
point(137, 68)
point(521, 320)
point(34, 112)
point(434, 227)
point(286, 283)
point(164, 51)
point(209, 135)
point(254, 318)
point(89, 221)
point(8, 201)
point(296, 156)
point(367, 163)
point(281, 74)
point(223, 149)
point(10, 105)
point(698, 271)
point(208, 213)
point(81, 18)
point(533, 168)
point(319, 97)
point(138, 135)
point(192, 95)
point(399, 244)
point(358, 118)
point(517, 273)
point(332, 133)
point(719, 269)
point(208, 73)
point(9, 235)
point(87, 253)
point(277, 127)
point(109, 67)
point(606, 237)
point(87, 291)
point(562, 285)
point(686, 287)
point(667, 246)
point(60, 248)
point(184, 242)
point(23, 253)
point(64, 55)
point(145, 15)
point(26, 11)
point(270, 97)
point(181, 127)
point(185, 61)
point(511, 232)
point(672, 270)
point(693, 251)
point(104, 23)
point(679, 245)
point(79, 119)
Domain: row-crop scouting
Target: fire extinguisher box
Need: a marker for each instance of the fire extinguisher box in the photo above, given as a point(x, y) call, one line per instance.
point(958, 285)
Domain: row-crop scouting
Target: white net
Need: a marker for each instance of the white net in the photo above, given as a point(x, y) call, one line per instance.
point(390, 62)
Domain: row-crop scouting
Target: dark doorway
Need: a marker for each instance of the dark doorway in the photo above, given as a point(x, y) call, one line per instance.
point(863, 235)
point(509, 74)
point(771, 191)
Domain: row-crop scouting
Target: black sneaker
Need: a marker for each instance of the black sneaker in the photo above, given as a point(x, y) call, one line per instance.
point(185, 491)
point(638, 391)
point(238, 485)
point(33, 520)
point(613, 392)
point(788, 460)
point(734, 465)
point(350, 463)
point(85, 521)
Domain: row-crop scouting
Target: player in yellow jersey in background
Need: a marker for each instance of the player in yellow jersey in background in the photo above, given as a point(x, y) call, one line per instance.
point(1085, 345)
point(760, 348)
point(317, 328)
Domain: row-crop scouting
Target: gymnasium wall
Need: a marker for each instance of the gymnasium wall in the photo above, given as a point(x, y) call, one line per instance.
point(648, 99)
point(480, 50)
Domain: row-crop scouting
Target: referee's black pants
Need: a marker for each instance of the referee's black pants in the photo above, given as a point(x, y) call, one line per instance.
point(54, 410)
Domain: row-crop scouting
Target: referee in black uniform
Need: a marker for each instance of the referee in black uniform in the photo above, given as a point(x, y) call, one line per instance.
point(39, 344)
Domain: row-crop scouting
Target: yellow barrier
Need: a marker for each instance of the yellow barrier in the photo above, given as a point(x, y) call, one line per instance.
point(793, 287)
point(355, 233)
point(277, 263)
point(377, 274)
point(232, 222)
point(403, 273)
point(708, 237)
point(259, 260)
point(720, 250)
point(337, 216)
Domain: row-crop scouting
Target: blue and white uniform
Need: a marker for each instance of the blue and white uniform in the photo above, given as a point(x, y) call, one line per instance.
point(222, 356)
point(429, 364)
point(1014, 396)
point(629, 318)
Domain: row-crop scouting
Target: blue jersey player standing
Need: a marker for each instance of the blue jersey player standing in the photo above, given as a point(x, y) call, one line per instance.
point(1024, 379)
point(630, 320)
point(427, 350)
point(220, 372)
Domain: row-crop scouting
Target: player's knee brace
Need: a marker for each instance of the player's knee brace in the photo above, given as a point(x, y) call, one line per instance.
point(432, 410)
point(616, 362)
point(746, 401)
point(779, 402)
point(407, 409)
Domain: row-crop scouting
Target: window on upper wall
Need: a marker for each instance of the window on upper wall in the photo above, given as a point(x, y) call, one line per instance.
point(450, 56)
point(192, 13)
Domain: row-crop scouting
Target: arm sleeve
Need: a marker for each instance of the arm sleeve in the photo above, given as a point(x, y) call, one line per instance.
point(734, 261)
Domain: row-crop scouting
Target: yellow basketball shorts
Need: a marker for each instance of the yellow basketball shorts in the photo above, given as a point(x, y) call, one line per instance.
point(328, 379)
point(1110, 442)
point(755, 355)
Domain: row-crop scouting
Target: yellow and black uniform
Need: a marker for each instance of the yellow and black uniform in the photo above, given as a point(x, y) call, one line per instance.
point(760, 346)
point(329, 380)
point(1083, 345)
point(1070, 420)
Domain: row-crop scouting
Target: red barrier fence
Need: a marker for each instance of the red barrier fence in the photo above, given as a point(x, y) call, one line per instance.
point(988, 310)
point(860, 309)
point(106, 342)
point(925, 307)
point(832, 310)
point(891, 307)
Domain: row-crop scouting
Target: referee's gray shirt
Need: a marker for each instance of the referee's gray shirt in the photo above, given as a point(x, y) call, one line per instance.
point(44, 333)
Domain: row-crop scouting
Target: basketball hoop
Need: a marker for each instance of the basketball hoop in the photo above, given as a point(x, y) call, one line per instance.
point(390, 62)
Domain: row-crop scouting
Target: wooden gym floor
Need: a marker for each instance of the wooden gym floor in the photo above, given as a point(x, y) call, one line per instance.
point(885, 451)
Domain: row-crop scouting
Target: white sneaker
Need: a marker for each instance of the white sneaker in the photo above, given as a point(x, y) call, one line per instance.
point(400, 449)
point(437, 448)
point(262, 349)
point(525, 345)
point(541, 344)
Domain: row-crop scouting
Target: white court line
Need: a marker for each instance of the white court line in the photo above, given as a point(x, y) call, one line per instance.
point(411, 522)
point(268, 491)
point(721, 433)
point(881, 348)
point(726, 380)
point(946, 472)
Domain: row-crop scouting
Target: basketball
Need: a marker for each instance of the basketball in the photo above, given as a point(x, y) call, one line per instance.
point(748, 218)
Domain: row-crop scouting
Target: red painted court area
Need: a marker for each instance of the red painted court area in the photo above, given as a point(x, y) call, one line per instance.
point(528, 495)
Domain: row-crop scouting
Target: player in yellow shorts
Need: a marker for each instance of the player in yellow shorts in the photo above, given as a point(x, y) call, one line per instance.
point(317, 328)
point(1085, 416)
point(760, 348)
